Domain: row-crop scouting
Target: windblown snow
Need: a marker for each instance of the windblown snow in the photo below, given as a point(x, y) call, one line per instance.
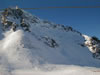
point(45, 49)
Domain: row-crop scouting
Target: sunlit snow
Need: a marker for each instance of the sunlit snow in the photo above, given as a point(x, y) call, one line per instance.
point(32, 53)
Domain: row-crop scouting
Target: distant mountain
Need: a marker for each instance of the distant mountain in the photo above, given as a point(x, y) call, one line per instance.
point(27, 41)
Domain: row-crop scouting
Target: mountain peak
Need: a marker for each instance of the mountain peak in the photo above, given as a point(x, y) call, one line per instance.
point(13, 18)
point(16, 18)
point(43, 42)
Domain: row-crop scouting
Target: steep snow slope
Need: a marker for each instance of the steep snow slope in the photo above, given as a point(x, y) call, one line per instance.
point(39, 43)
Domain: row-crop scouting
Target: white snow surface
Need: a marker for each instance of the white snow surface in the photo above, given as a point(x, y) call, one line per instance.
point(28, 53)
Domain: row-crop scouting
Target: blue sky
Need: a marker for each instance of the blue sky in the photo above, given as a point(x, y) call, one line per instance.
point(85, 20)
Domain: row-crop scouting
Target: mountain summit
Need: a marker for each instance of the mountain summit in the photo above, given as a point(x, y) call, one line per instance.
point(27, 41)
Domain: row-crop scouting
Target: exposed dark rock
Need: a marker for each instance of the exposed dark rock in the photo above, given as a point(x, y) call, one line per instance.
point(50, 42)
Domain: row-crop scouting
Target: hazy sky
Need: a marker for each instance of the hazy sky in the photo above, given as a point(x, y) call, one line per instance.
point(85, 20)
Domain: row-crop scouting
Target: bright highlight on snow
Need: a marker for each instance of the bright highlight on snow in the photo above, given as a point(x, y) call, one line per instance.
point(31, 46)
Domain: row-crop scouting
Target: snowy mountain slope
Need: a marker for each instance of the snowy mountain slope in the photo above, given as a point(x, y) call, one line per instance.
point(27, 42)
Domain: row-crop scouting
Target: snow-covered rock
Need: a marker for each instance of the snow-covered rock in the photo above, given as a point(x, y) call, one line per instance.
point(93, 44)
